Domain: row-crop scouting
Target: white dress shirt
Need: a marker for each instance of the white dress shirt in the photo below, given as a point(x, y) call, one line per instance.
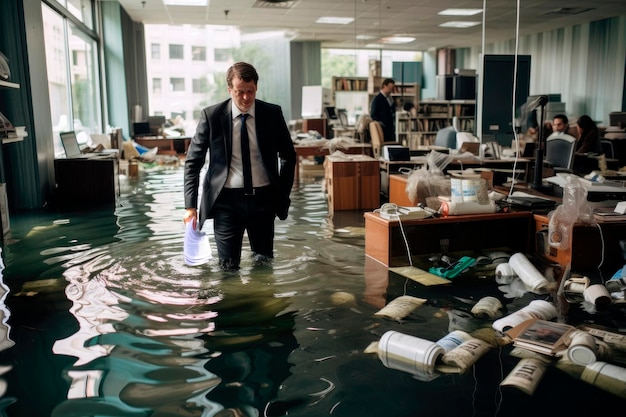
point(235, 173)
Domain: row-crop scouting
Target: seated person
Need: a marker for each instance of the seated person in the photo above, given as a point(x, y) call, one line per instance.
point(560, 125)
point(588, 136)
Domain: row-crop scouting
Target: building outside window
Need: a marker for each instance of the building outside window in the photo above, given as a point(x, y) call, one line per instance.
point(222, 55)
point(177, 84)
point(199, 85)
point(155, 50)
point(177, 52)
point(198, 53)
point(156, 86)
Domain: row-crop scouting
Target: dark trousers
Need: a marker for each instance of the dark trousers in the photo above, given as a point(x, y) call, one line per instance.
point(235, 213)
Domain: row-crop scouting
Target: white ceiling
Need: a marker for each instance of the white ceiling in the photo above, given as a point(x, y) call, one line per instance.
point(380, 18)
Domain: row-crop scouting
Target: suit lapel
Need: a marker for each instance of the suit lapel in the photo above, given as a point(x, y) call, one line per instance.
point(227, 128)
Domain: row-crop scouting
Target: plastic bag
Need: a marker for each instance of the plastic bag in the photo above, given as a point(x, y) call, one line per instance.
point(429, 181)
point(573, 209)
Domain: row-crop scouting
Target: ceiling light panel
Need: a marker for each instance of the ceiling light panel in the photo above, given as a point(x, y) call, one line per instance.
point(460, 12)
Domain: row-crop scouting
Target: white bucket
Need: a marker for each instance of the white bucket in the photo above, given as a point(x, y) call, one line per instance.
point(408, 353)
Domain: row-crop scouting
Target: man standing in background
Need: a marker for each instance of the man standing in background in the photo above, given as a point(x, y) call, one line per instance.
point(383, 109)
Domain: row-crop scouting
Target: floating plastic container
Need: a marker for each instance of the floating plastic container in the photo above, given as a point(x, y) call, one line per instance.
point(408, 353)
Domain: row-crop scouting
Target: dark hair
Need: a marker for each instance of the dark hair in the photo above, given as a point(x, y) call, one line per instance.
point(562, 117)
point(241, 70)
point(586, 123)
point(407, 106)
point(388, 81)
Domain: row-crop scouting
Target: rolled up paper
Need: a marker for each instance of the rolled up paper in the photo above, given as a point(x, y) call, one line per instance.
point(532, 278)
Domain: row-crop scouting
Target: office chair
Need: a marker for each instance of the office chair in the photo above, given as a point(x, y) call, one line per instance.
point(607, 148)
point(560, 152)
point(446, 138)
point(378, 138)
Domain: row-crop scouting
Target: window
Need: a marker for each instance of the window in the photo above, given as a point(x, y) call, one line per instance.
point(155, 50)
point(222, 55)
point(177, 84)
point(82, 10)
point(156, 85)
point(199, 85)
point(198, 53)
point(73, 81)
point(177, 52)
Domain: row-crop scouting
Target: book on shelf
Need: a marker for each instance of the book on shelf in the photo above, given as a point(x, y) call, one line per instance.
point(542, 336)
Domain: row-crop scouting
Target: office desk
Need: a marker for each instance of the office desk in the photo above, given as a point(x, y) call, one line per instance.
point(388, 168)
point(591, 246)
point(384, 240)
point(321, 149)
point(166, 145)
point(85, 182)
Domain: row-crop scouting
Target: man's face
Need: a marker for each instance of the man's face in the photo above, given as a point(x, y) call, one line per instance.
point(558, 125)
point(243, 93)
point(387, 89)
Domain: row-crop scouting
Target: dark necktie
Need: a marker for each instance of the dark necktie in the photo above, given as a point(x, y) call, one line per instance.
point(245, 156)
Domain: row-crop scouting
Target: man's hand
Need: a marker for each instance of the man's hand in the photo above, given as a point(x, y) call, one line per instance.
point(191, 214)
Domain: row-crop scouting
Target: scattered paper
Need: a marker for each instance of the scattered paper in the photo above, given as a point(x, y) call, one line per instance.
point(197, 247)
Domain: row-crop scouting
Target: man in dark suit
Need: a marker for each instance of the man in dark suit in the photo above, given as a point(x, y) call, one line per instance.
point(236, 203)
point(383, 109)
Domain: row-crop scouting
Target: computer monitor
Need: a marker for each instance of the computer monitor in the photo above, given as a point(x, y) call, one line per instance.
point(617, 118)
point(331, 112)
point(70, 144)
point(141, 129)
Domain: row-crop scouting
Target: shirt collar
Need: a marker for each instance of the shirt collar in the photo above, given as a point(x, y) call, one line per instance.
point(236, 112)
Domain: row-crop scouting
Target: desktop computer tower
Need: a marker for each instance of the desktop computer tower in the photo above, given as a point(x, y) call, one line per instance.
point(498, 100)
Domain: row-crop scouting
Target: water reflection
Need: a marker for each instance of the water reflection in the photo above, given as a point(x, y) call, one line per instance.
point(108, 320)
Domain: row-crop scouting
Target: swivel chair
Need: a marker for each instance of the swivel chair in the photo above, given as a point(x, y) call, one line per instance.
point(378, 138)
point(560, 152)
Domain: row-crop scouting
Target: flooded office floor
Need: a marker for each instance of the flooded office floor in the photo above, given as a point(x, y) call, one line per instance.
point(103, 318)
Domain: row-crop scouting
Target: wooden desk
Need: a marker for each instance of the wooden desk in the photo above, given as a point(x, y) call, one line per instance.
point(321, 149)
point(590, 246)
point(388, 168)
point(385, 243)
point(167, 146)
point(84, 182)
point(397, 190)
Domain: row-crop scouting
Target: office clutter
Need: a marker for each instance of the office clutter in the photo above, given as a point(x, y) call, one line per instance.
point(535, 333)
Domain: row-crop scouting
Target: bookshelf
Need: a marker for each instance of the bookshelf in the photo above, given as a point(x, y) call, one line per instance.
point(432, 116)
point(349, 84)
point(350, 94)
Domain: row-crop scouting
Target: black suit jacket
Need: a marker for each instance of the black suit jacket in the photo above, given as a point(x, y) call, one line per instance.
point(214, 135)
point(381, 111)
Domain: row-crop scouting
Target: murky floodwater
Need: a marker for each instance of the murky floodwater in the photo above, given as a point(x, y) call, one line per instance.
point(104, 318)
